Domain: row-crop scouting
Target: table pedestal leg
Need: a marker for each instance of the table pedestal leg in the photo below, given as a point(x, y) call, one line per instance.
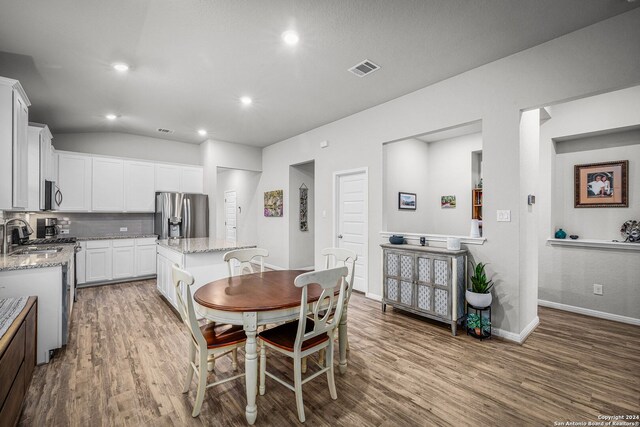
point(251, 366)
point(342, 343)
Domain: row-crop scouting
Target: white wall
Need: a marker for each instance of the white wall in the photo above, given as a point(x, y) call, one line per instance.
point(431, 170)
point(595, 59)
point(245, 183)
point(301, 243)
point(128, 145)
point(217, 154)
point(567, 275)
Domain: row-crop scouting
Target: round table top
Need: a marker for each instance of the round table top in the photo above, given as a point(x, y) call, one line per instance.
point(271, 290)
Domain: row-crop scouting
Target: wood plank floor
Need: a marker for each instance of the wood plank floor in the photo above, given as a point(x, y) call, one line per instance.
point(125, 364)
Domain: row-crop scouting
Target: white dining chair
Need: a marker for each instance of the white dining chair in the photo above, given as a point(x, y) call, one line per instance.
point(306, 336)
point(245, 257)
point(339, 257)
point(205, 342)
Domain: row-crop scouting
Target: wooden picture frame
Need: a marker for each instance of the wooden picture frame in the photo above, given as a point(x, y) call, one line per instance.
point(602, 185)
point(407, 201)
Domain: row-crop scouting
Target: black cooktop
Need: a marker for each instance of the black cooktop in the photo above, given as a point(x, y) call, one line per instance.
point(51, 240)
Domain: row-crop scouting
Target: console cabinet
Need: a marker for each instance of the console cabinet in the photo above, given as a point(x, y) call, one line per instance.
point(426, 281)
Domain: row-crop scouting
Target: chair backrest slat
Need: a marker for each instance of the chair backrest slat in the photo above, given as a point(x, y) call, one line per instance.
point(182, 280)
point(337, 257)
point(244, 257)
point(323, 322)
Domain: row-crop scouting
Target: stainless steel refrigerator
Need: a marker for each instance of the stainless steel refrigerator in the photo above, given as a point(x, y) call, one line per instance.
point(181, 215)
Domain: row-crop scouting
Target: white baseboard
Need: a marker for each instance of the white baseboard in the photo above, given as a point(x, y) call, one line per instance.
point(374, 297)
point(517, 338)
point(308, 268)
point(274, 267)
point(589, 312)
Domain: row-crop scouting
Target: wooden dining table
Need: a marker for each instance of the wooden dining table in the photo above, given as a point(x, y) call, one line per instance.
point(257, 299)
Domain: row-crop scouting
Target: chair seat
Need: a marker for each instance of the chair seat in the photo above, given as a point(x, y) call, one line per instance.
point(284, 336)
point(221, 335)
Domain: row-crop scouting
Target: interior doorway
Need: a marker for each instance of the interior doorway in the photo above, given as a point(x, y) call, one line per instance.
point(230, 217)
point(351, 219)
point(301, 216)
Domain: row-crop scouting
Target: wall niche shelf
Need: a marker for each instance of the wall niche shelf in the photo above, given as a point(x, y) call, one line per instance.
point(593, 243)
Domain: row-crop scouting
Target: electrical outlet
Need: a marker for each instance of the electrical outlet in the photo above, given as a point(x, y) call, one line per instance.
point(124, 229)
point(503, 216)
point(597, 289)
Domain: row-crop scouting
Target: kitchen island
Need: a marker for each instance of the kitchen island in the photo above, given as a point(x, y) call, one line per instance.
point(202, 257)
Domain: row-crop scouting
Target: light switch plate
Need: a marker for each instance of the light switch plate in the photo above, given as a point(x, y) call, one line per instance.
point(504, 216)
point(124, 229)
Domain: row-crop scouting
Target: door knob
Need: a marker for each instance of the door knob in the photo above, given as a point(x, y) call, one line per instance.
point(339, 236)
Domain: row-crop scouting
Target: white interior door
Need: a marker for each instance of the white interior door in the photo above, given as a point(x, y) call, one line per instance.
point(351, 219)
point(230, 219)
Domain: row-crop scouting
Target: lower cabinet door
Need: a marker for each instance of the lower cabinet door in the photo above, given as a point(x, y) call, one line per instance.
point(98, 264)
point(145, 260)
point(123, 262)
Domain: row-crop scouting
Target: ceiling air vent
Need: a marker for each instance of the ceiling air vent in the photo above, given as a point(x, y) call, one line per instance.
point(167, 131)
point(364, 68)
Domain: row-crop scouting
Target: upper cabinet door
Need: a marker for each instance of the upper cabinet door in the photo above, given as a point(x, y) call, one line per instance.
point(108, 185)
point(140, 186)
point(34, 161)
point(20, 153)
point(74, 181)
point(167, 178)
point(191, 179)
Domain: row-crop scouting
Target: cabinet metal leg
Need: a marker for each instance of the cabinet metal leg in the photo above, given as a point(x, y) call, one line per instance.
point(454, 328)
point(384, 307)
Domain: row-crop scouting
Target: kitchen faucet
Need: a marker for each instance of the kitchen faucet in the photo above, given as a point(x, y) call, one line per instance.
point(5, 237)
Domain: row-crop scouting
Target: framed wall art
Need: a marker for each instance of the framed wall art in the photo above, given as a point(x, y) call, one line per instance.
point(304, 207)
point(407, 201)
point(602, 185)
point(273, 203)
point(448, 202)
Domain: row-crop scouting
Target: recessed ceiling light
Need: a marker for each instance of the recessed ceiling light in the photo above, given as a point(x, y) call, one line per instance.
point(202, 132)
point(121, 67)
point(290, 37)
point(111, 116)
point(246, 100)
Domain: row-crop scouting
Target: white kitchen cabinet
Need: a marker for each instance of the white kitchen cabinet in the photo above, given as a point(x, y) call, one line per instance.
point(167, 177)
point(191, 179)
point(46, 169)
point(115, 260)
point(20, 153)
point(33, 167)
point(74, 181)
point(98, 260)
point(14, 116)
point(139, 186)
point(107, 184)
point(145, 257)
point(123, 259)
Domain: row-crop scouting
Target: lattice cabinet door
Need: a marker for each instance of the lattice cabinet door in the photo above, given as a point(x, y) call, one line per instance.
point(442, 287)
point(424, 282)
point(398, 277)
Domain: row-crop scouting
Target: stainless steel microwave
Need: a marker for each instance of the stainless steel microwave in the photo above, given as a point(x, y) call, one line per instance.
point(52, 196)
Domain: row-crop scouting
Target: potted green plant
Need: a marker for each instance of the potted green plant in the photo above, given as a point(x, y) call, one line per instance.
point(480, 325)
point(480, 293)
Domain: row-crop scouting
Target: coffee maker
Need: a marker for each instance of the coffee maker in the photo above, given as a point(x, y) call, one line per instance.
point(47, 228)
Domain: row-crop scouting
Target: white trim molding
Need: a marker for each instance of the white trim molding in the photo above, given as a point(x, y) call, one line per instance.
point(274, 267)
point(517, 338)
point(592, 243)
point(434, 237)
point(590, 312)
point(374, 297)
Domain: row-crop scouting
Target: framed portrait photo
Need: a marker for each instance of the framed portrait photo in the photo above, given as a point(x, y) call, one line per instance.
point(602, 185)
point(407, 201)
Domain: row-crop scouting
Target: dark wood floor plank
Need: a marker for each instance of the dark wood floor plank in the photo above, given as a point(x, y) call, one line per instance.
point(126, 361)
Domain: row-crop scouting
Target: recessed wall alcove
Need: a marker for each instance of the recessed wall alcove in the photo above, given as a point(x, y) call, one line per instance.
point(438, 164)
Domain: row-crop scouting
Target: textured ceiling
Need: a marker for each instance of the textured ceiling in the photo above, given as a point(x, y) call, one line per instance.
point(192, 59)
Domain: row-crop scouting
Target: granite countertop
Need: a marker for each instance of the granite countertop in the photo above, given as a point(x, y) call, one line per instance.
point(117, 236)
point(202, 245)
point(23, 262)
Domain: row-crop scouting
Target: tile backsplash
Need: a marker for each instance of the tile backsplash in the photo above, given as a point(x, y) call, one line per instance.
point(95, 224)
